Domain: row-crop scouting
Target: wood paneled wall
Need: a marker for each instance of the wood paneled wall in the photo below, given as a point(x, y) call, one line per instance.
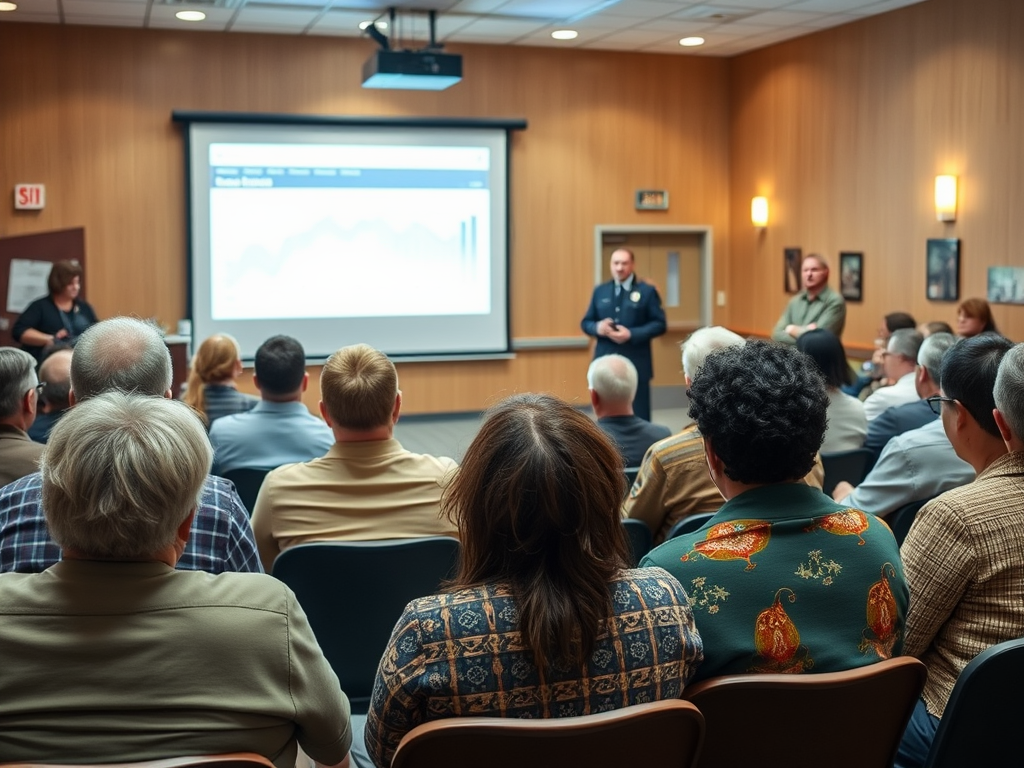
point(87, 112)
point(845, 130)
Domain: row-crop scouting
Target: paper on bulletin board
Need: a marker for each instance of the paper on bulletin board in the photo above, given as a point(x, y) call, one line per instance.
point(27, 283)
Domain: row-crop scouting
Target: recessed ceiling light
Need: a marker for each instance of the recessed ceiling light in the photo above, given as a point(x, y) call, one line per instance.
point(689, 42)
point(565, 34)
point(190, 15)
point(5, 6)
point(378, 24)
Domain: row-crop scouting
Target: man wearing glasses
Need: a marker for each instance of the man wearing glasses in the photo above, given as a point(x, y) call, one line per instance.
point(19, 396)
point(899, 361)
point(915, 465)
point(964, 555)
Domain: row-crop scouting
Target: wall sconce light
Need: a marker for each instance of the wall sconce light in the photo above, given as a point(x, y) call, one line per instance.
point(945, 198)
point(759, 212)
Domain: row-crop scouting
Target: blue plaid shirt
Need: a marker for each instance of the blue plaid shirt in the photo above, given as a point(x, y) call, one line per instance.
point(221, 538)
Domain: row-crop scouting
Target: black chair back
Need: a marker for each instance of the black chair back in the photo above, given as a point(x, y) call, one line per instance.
point(689, 524)
point(985, 709)
point(901, 520)
point(354, 592)
point(640, 538)
point(851, 466)
point(248, 481)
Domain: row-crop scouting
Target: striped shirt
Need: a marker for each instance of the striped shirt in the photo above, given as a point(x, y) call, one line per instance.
point(221, 538)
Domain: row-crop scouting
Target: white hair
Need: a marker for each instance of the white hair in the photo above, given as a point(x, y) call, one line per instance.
point(120, 353)
point(17, 377)
point(703, 342)
point(1009, 390)
point(121, 473)
point(614, 378)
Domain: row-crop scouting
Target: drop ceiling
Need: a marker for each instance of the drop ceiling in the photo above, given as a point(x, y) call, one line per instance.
point(729, 27)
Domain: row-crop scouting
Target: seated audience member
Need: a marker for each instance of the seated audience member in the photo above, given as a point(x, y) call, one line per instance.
point(19, 400)
point(120, 657)
point(612, 382)
point(55, 378)
point(541, 620)
point(936, 326)
point(367, 486)
point(964, 555)
point(847, 424)
point(927, 380)
point(126, 355)
point(899, 363)
point(916, 465)
point(782, 579)
point(974, 316)
point(673, 482)
point(875, 371)
point(280, 430)
point(211, 380)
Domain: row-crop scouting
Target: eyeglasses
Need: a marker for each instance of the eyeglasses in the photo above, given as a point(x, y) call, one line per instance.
point(40, 387)
point(935, 403)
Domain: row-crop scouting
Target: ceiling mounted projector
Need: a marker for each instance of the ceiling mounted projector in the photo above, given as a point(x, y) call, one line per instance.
point(427, 69)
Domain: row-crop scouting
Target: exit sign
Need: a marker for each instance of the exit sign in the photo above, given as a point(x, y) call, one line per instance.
point(30, 197)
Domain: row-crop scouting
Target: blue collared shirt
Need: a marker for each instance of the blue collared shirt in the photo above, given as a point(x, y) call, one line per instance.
point(221, 538)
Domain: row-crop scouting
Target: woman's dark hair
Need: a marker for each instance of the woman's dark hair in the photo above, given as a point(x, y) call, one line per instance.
point(825, 349)
point(979, 310)
point(536, 501)
point(61, 275)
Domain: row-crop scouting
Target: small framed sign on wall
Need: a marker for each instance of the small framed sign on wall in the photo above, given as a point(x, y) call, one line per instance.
point(652, 199)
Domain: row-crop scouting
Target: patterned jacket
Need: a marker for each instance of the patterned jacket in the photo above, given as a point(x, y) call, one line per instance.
point(783, 579)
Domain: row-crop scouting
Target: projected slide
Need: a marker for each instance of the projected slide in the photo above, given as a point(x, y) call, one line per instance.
point(336, 231)
point(319, 237)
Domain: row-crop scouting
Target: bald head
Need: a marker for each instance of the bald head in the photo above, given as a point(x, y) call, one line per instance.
point(121, 354)
point(55, 373)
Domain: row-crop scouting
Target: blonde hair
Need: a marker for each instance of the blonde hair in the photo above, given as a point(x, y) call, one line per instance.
point(215, 360)
point(121, 472)
point(359, 385)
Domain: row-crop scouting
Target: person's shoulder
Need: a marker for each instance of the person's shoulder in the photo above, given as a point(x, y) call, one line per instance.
point(232, 589)
point(680, 447)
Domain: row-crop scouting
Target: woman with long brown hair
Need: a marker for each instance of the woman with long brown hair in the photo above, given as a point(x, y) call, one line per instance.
point(544, 618)
point(974, 316)
point(211, 380)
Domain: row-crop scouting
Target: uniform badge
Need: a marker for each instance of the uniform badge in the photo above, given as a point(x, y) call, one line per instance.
point(635, 296)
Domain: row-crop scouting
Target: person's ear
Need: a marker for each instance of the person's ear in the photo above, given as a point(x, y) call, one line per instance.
point(323, 413)
point(398, 408)
point(305, 380)
point(256, 382)
point(595, 399)
point(1004, 428)
point(71, 397)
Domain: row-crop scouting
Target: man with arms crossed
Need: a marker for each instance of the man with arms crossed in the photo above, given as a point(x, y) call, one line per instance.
point(964, 554)
point(816, 306)
point(624, 315)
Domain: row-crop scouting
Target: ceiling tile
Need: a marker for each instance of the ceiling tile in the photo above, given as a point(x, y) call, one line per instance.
point(829, 6)
point(84, 9)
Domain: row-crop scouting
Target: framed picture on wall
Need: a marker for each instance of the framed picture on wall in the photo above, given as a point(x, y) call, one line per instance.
point(1006, 285)
point(942, 257)
point(792, 257)
point(851, 275)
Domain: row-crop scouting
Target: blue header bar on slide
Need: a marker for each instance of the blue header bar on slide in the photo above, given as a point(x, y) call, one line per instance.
point(227, 177)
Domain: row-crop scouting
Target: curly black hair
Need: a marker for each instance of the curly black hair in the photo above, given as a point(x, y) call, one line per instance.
point(763, 408)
